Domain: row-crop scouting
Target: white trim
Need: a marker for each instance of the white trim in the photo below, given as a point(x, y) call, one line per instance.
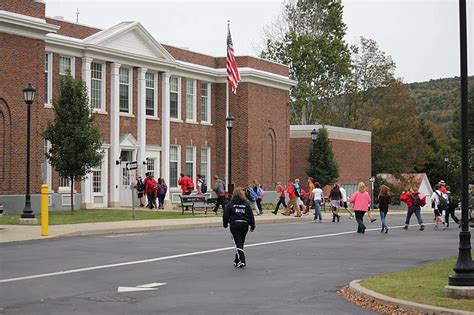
point(178, 168)
point(193, 105)
point(304, 131)
point(103, 86)
point(49, 103)
point(155, 95)
point(27, 26)
point(208, 162)
point(209, 104)
point(176, 119)
point(73, 65)
point(194, 160)
point(130, 92)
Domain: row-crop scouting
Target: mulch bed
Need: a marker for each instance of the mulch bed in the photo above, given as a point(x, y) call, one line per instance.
point(374, 305)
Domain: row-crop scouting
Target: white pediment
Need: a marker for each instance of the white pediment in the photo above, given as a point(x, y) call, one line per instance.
point(128, 141)
point(130, 37)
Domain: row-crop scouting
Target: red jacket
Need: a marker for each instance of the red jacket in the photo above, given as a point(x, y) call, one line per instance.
point(186, 182)
point(291, 191)
point(406, 197)
point(151, 186)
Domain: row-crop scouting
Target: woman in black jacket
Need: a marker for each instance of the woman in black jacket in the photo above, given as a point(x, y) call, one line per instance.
point(238, 213)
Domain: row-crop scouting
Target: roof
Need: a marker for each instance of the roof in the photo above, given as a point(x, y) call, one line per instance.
point(405, 179)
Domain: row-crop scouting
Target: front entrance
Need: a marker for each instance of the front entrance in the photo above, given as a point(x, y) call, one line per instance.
point(127, 178)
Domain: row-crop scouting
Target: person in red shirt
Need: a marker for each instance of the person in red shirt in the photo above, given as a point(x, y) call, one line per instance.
point(293, 200)
point(186, 183)
point(150, 189)
point(414, 201)
point(281, 194)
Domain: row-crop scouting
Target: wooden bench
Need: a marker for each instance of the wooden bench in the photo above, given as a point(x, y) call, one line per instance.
point(194, 202)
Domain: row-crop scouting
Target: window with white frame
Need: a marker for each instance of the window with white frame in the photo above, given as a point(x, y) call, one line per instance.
point(150, 94)
point(174, 165)
point(97, 86)
point(190, 100)
point(64, 182)
point(205, 163)
point(48, 75)
point(65, 66)
point(205, 102)
point(150, 166)
point(190, 161)
point(174, 98)
point(97, 179)
point(124, 90)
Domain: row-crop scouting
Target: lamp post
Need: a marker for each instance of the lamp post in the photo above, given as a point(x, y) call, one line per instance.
point(230, 124)
point(28, 96)
point(372, 182)
point(464, 268)
point(446, 160)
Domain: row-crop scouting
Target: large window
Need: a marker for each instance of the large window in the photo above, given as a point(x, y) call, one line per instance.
point(66, 65)
point(150, 94)
point(174, 165)
point(174, 98)
point(47, 73)
point(190, 100)
point(190, 161)
point(205, 102)
point(205, 163)
point(150, 166)
point(97, 179)
point(125, 91)
point(97, 86)
point(64, 182)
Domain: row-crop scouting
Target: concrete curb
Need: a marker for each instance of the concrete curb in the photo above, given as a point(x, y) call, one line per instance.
point(355, 287)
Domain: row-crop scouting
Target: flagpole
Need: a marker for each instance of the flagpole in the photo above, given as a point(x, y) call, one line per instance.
point(227, 114)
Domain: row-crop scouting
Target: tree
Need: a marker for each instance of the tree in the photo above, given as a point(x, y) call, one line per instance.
point(75, 140)
point(311, 42)
point(322, 165)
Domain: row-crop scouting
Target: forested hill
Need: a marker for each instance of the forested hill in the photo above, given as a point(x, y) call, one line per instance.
point(437, 99)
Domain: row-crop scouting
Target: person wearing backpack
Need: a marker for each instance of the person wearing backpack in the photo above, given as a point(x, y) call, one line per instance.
point(161, 192)
point(219, 189)
point(252, 197)
point(281, 195)
point(293, 202)
point(260, 193)
point(452, 204)
point(439, 201)
point(201, 185)
point(414, 201)
point(384, 201)
point(140, 186)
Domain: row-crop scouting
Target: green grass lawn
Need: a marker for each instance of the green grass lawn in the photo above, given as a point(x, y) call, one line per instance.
point(422, 285)
point(105, 215)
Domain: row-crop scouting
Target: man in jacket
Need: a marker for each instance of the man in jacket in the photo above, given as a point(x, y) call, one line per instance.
point(293, 200)
point(219, 189)
point(414, 201)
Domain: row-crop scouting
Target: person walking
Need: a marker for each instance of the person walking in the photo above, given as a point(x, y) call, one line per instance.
point(439, 203)
point(384, 201)
point(140, 186)
point(414, 201)
point(309, 202)
point(293, 202)
point(344, 201)
point(299, 196)
point(317, 194)
point(452, 204)
point(281, 195)
point(186, 183)
point(161, 192)
point(361, 202)
point(150, 190)
point(239, 215)
point(335, 196)
point(219, 189)
point(260, 193)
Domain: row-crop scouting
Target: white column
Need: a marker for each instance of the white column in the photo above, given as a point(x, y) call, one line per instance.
point(165, 130)
point(115, 178)
point(86, 184)
point(141, 119)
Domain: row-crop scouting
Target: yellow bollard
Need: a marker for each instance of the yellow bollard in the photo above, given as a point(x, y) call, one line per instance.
point(44, 210)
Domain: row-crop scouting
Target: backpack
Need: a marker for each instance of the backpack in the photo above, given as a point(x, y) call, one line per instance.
point(260, 192)
point(252, 194)
point(162, 189)
point(140, 186)
point(203, 187)
point(443, 203)
point(416, 199)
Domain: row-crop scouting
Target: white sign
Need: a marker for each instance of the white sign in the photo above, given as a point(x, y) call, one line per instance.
point(131, 165)
point(143, 287)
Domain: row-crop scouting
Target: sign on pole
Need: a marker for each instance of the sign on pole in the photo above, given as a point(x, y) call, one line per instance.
point(131, 165)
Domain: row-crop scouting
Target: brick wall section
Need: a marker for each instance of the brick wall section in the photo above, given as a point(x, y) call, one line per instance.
point(255, 63)
point(353, 158)
point(25, 7)
point(72, 29)
point(190, 56)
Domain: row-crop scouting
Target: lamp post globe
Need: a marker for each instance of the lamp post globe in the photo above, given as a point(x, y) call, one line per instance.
point(29, 93)
point(230, 124)
point(314, 135)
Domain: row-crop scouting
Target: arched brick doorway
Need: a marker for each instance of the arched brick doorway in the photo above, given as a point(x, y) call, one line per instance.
point(269, 160)
point(5, 146)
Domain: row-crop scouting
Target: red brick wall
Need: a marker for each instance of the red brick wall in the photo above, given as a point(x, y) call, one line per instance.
point(25, 7)
point(353, 158)
point(189, 56)
point(72, 29)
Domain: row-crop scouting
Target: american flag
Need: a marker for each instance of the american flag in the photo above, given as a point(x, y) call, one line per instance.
point(233, 75)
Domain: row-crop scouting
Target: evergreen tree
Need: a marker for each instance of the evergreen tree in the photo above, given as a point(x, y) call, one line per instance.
point(322, 165)
point(75, 140)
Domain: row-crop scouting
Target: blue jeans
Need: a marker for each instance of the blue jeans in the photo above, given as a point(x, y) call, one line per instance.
point(383, 217)
point(417, 211)
point(317, 210)
point(360, 220)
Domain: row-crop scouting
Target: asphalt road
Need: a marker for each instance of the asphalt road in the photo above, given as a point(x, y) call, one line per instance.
point(299, 274)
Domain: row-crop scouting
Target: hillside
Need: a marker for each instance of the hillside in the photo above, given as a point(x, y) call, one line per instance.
point(437, 99)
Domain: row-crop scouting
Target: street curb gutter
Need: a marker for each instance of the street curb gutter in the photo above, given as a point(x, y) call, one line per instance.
point(355, 287)
point(153, 228)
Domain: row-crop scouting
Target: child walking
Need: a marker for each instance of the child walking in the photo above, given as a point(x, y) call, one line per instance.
point(384, 200)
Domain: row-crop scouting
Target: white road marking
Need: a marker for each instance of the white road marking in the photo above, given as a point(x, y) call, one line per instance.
point(143, 287)
point(151, 285)
point(65, 272)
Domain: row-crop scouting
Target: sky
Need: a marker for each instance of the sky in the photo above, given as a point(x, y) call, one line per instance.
point(422, 36)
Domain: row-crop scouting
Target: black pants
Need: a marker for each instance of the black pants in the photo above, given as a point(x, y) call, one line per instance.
point(280, 202)
point(151, 200)
point(161, 201)
point(220, 201)
point(259, 205)
point(450, 211)
point(360, 221)
point(239, 231)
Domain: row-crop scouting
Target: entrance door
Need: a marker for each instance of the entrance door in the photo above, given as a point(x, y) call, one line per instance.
point(127, 178)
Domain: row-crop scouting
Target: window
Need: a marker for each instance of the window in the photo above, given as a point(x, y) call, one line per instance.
point(97, 86)
point(174, 163)
point(150, 94)
point(174, 98)
point(205, 163)
point(97, 179)
point(47, 78)
point(150, 166)
point(64, 182)
point(190, 100)
point(205, 102)
point(65, 66)
point(124, 90)
point(190, 161)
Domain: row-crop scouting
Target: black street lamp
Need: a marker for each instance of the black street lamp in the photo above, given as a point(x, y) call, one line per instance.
point(314, 136)
point(464, 268)
point(28, 96)
point(446, 160)
point(230, 124)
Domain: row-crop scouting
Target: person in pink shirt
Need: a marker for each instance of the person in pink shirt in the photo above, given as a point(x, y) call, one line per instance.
point(361, 202)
